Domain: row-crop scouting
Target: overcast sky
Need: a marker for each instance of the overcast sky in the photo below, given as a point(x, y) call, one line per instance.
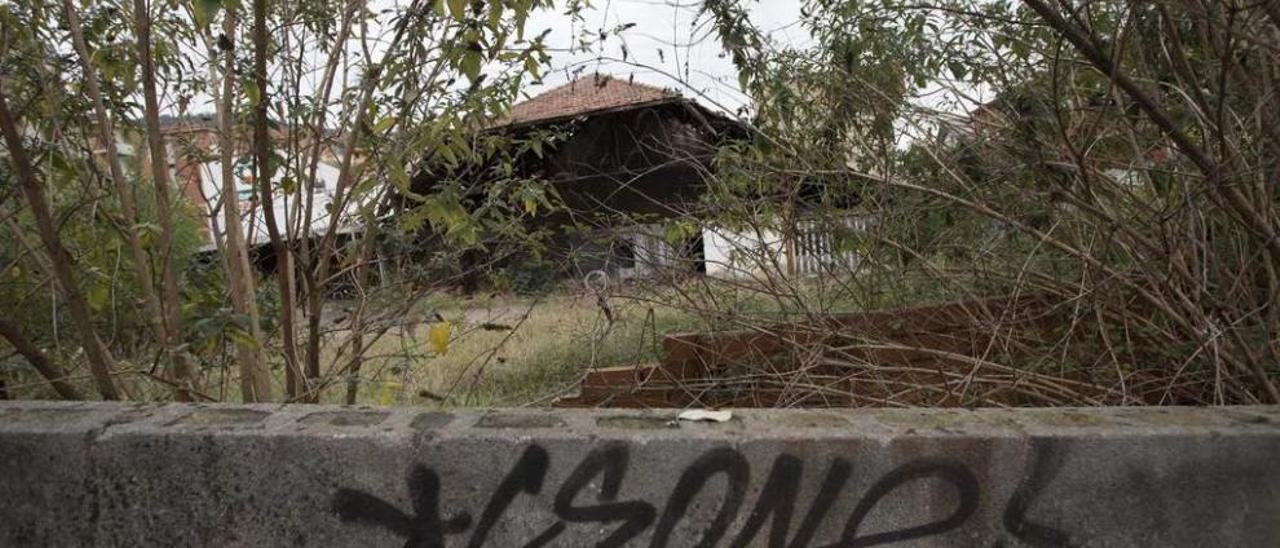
point(669, 46)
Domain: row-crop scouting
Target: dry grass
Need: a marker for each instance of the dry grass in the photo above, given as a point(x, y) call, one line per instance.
point(504, 351)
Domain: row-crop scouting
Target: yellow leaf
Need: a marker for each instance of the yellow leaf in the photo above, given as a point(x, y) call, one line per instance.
point(438, 334)
point(388, 395)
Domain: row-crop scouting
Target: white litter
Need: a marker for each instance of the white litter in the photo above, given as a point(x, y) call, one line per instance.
point(705, 415)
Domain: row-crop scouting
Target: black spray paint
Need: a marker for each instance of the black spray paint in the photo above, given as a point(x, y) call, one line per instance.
point(424, 529)
point(776, 503)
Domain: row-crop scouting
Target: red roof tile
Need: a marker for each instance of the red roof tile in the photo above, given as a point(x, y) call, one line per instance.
point(583, 96)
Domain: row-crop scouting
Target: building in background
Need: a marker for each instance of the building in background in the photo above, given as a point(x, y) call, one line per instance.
point(631, 164)
point(195, 159)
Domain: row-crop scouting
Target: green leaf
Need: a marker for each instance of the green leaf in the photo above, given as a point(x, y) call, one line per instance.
point(470, 65)
point(60, 165)
point(522, 15)
point(399, 177)
point(242, 337)
point(458, 8)
point(146, 228)
point(495, 14)
point(449, 157)
point(530, 197)
point(531, 65)
point(251, 91)
point(676, 234)
point(205, 11)
point(98, 296)
point(445, 211)
point(384, 124)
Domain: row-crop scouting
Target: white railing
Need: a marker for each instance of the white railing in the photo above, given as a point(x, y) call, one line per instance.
point(820, 245)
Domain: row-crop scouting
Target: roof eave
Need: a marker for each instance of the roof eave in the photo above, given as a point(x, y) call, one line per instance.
point(586, 113)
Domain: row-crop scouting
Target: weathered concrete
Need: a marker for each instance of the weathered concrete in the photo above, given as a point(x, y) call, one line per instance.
point(147, 475)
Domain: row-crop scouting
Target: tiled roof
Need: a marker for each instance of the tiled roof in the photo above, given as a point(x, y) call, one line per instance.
point(584, 95)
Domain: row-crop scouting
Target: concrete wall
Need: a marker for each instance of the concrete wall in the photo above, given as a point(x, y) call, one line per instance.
point(169, 475)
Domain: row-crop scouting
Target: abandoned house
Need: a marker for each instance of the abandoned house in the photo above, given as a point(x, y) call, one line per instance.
point(626, 160)
point(629, 162)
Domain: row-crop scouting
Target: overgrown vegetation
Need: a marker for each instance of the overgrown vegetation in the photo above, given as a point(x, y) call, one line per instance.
point(1111, 163)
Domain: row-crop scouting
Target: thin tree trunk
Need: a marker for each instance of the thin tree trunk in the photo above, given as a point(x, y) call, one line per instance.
point(320, 262)
point(357, 322)
point(262, 158)
point(315, 274)
point(52, 372)
point(100, 361)
point(107, 133)
point(171, 304)
point(255, 383)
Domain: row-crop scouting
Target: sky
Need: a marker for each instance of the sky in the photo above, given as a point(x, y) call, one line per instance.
point(672, 46)
point(669, 45)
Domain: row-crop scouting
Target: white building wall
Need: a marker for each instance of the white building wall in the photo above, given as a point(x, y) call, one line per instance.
point(286, 206)
point(742, 254)
point(755, 253)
